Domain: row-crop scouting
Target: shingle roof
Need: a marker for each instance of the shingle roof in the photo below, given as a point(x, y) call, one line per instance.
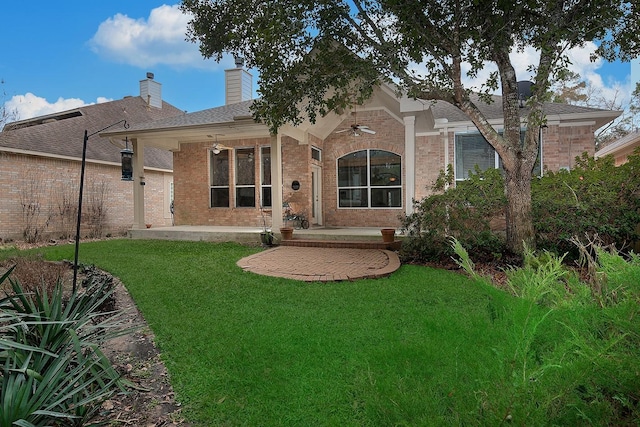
point(62, 133)
point(223, 114)
point(493, 111)
point(440, 109)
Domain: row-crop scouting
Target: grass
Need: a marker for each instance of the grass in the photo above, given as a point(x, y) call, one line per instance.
point(422, 347)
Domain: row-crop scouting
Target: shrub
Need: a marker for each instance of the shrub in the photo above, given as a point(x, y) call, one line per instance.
point(52, 369)
point(594, 199)
point(464, 212)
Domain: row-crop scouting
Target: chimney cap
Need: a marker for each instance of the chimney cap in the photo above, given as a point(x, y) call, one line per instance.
point(150, 75)
point(239, 61)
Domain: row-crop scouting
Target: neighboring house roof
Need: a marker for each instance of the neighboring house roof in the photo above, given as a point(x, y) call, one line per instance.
point(621, 148)
point(62, 134)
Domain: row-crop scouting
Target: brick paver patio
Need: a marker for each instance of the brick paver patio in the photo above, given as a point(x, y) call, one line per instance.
point(322, 264)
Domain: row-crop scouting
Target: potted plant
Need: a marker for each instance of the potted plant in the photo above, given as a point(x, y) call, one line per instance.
point(286, 233)
point(266, 235)
point(388, 235)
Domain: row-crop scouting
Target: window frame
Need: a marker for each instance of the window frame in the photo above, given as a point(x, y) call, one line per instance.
point(264, 171)
point(497, 161)
point(239, 187)
point(213, 187)
point(369, 188)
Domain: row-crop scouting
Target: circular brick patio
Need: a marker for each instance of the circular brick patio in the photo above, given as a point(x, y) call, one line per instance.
point(322, 264)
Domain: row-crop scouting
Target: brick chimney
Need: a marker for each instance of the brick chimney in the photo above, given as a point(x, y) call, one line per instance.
point(238, 82)
point(151, 91)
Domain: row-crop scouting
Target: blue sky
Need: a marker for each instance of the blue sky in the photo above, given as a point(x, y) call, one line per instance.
point(58, 55)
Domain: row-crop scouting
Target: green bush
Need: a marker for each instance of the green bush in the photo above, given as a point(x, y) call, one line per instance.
point(52, 370)
point(464, 212)
point(595, 199)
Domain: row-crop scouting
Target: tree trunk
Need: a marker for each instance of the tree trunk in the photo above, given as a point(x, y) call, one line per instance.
point(518, 213)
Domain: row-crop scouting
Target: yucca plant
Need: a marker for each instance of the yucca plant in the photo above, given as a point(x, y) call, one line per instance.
point(53, 371)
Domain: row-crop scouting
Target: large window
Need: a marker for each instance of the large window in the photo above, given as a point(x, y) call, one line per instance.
point(245, 178)
point(265, 176)
point(473, 149)
point(219, 179)
point(370, 179)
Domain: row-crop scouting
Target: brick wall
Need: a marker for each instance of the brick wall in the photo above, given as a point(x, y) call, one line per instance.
point(430, 160)
point(390, 137)
point(49, 184)
point(192, 187)
point(574, 140)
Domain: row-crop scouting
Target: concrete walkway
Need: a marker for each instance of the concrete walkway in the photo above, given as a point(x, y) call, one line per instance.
point(322, 264)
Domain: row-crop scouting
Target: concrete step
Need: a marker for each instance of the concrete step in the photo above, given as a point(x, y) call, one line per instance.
point(356, 244)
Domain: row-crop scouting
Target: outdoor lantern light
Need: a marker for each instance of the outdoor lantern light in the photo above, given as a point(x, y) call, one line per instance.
point(127, 162)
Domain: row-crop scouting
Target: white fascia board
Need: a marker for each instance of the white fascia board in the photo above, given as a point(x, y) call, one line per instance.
point(573, 124)
point(70, 158)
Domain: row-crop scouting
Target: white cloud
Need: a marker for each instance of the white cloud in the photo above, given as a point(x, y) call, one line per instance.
point(29, 105)
point(160, 39)
point(612, 89)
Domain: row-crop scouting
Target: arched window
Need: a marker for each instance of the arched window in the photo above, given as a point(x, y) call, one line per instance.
point(370, 179)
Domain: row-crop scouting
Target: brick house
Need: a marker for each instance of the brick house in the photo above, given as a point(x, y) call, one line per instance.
point(621, 148)
point(40, 164)
point(229, 170)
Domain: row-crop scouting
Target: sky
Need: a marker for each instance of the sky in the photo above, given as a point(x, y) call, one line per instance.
point(59, 55)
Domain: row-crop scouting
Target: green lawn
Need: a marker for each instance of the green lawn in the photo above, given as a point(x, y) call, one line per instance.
point(422, 347)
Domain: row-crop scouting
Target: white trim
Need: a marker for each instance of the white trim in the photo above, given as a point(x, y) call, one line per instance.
point(368, 187)
point(574, 124)
point(409, 162)
point(74, 159)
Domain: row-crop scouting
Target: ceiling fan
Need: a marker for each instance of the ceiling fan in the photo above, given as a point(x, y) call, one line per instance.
point(355, 127)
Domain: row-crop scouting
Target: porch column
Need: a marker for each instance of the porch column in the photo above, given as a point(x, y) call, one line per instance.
point(138, 185)
point(409, 162)
point(276, 181)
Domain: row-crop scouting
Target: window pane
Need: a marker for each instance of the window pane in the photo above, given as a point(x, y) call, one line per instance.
point(220, 197)
point(472, 150)
point(354, 198)
point(385, 168)
point(245, 197)
point(386, 197)
point(266, 165)
point(352, 170)
point(220, 168)
point(245, 170)
point(266, 196)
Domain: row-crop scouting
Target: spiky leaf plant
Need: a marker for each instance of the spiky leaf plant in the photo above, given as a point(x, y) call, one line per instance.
point(52, 368)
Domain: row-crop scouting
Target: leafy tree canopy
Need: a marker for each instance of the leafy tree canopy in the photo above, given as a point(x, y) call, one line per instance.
point(314, 55)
